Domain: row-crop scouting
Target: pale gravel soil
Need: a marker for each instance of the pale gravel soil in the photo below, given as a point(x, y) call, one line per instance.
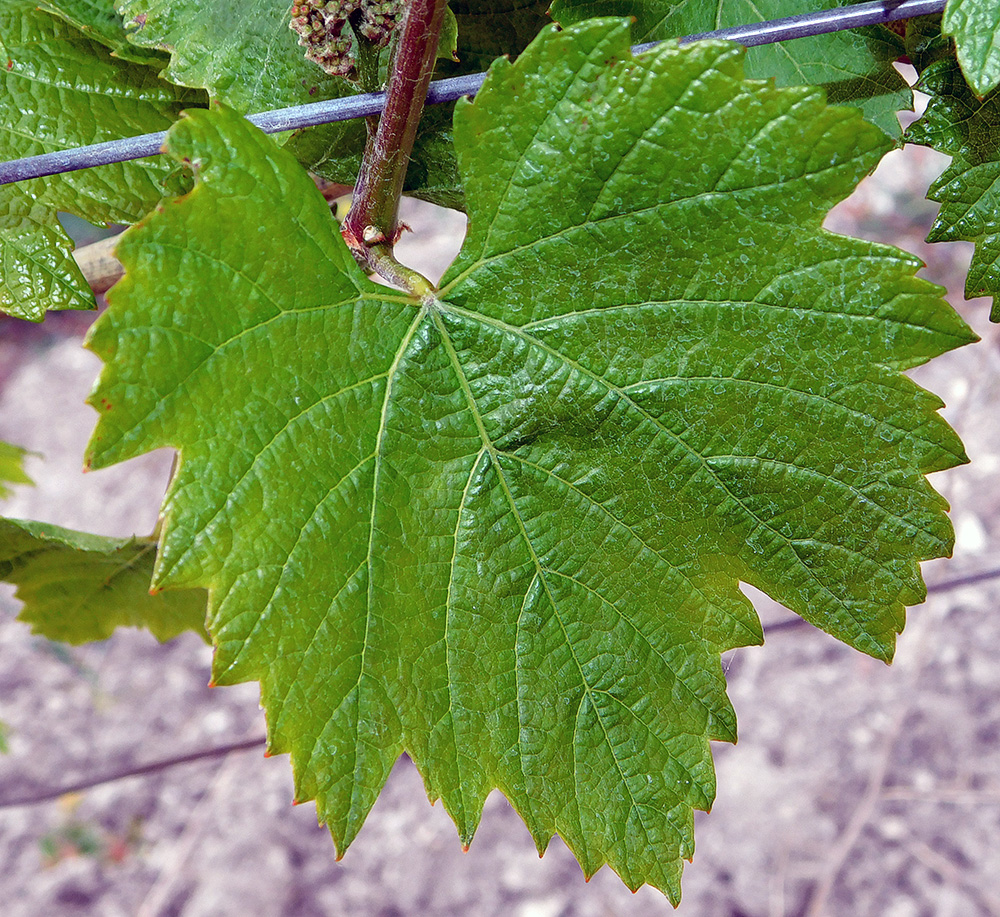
point(856, 789)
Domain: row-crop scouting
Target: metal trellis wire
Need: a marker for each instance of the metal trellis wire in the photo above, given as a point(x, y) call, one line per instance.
point(363, 105)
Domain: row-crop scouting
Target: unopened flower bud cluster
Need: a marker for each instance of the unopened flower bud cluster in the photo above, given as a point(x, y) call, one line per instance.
point(324, 29)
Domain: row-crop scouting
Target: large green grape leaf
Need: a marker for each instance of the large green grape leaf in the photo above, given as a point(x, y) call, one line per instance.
point(967, 128)
point(98, 20)
point(975, 25)
point(78, 588)
point(60, 90)
point(502, 527)
point(12, 467)
point(855, 66)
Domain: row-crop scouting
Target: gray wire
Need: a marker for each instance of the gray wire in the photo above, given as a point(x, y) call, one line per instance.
point(360, 106)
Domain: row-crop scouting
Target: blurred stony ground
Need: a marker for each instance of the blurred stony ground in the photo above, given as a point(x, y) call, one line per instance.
point(856, 789)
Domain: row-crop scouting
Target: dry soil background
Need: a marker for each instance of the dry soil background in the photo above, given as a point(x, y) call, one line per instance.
point(856, 789)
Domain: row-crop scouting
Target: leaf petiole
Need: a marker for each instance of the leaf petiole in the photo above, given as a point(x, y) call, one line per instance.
point(372, 222)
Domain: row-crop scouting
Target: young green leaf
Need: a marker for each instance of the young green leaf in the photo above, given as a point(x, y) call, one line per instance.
point(502, 527)
point(967, 128)
point(98, 20)
point(59, 90)
point(78, 588)
point(855, 67)
point(975, 25)
point(12, 467)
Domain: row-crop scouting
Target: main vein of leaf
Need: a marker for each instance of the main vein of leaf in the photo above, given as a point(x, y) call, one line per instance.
point(539, 567)
point(752, 303)
point(376, 475)
point(783, 389)
point(450, 606)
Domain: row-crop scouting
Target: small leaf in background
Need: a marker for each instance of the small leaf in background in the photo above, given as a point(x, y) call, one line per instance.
point(967, 128)
point(503, 527)
point(78, 588)
point(60, 90)
point(975, 26)
point(12, 467)
point(855, 66)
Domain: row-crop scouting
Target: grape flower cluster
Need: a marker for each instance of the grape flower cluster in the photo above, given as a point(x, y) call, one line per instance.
point(323, 29)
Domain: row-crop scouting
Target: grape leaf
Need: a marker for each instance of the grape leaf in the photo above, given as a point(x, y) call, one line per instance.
point(967, 128)
point(975, 25)
point(12, 467)
point(244, 54)
point(98, 20)
point(60, 90)
point(924, 44)
point(855, 66)
point(78, 588)
point(502, 527)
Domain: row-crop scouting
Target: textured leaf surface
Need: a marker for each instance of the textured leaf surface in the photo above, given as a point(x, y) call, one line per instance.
point(855, 67)
point(12, 467)
point(968, 129)
point(242, 53)
point(78, 588)
point(503, 527)
point(60, 90)
point(975, 25)
point(98, 20)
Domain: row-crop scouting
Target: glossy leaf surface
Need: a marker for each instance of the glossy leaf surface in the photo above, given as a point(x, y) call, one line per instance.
point(975, 26)
point(59, 90)
point(242, 53)
point(98, 20)
point(78, 588)
point(855, 67)
point(967, 128)
point(503, 527)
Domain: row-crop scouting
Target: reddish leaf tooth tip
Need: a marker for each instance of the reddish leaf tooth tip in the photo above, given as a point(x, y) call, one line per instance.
point(465, 848)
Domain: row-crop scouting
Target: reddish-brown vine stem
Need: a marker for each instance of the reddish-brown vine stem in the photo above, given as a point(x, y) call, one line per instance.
point(371, 227)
